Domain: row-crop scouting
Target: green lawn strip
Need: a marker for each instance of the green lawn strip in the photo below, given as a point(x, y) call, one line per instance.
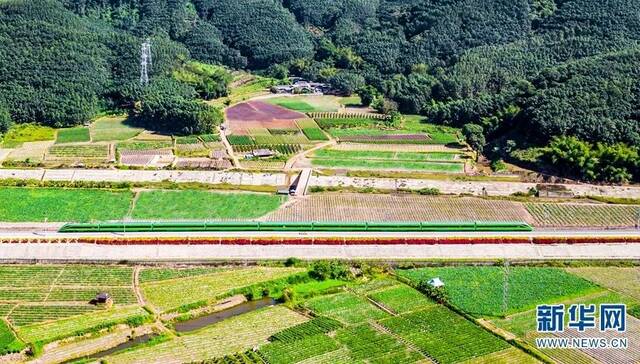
point(233, 335)
point(9, 343)
point(444, 335)
point(175, 293)
point(73, 135)
point(21, 133)
point(366, 343)
point(438, 133)
point(397, 156)
point(81, 324)
point(346, 307)
point(479, 290)
point(113, 128)
point(203, 205)
point(306, 103)
point(401, 299)
point(62, 205)
point(161, 274)
point(389, 164)
point(293, 352)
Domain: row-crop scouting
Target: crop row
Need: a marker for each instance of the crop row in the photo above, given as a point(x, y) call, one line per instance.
point(401, 299)
point(285, 149)
point(319, 325)
point(30, 314)
point(366, 343)
point(83, 151)
point(296, 351)
point(347, 308)
point(443, 335)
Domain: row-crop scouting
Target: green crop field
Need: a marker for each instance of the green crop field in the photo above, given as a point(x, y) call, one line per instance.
point(171, 294)
point(85, 205)
point(145, 145)
point(389, 165)
point(345, 307)
point(203, 205)
point(401, 299)
point(480, 290)
point(73, 135)
point(162, 274)
point(444, 335)
point(113, 128)
point(71, 326)
point(80, 205)
point(299, 350)
point(21, 133)
point(307, 103)
point(89, 151)
point(398, 156)
point(367, 343)
point(8, 341)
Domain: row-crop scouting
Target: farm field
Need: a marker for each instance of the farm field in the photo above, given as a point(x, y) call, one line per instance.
point(307, 103)
point(375, 155)
point(523, 325)
point(480, 290)
point(44, 303)
point(583, 215)
point(112, 128)
point(367, 319)
point(379, 207)
point(389, 165)
point(445, 336)
point(203, 205)
point(73, 135)
point(84, 205)
point(173, 293)
point(21, 133)
point(81, 205)
point(619, 279)
point(236, 334)
point(245, 86)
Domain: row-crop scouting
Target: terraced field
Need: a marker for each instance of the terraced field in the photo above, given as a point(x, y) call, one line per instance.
point(370, 207)
point(44, 303)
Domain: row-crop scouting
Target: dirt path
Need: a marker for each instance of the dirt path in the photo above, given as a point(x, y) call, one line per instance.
point(293, 160)
point(227, 146)
point(136, 286)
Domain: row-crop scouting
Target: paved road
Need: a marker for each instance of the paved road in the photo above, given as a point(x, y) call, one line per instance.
point(93, 252)
point(279, 179)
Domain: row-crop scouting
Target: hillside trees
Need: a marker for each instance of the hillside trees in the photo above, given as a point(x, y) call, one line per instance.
point(170, 106)
point(262, 30)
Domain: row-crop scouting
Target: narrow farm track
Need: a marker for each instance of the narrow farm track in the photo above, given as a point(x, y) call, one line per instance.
point(136, 286)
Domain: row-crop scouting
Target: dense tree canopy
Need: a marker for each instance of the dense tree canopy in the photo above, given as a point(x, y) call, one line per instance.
point(527, 70)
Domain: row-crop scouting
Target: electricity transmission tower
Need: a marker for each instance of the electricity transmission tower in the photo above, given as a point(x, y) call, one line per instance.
point(145, 62)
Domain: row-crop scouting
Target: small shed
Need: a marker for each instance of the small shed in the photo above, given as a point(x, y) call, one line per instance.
point(103, 298)
point(436, 282)
point(263, 153)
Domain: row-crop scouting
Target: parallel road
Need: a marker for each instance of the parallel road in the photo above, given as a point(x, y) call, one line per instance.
point(47, 249)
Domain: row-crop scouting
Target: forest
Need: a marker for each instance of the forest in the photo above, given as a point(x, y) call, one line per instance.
point(529, 75)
